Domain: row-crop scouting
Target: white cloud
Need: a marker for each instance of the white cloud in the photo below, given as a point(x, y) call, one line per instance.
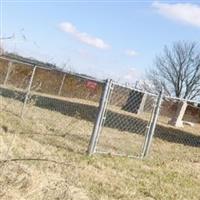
point(131, 75)
point(83, 37)
point(183, 12)
point(131, 53)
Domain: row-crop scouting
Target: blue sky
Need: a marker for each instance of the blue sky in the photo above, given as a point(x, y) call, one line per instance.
point(117, 39)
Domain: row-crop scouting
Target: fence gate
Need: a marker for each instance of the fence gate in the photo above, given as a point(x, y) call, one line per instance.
point(126, 121)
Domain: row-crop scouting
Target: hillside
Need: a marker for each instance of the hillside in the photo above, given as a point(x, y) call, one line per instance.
point(43, 157)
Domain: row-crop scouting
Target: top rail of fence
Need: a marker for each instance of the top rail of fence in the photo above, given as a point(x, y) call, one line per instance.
point(42, 66)
point(152, 94)
point(31, 64)
point(133, 88)
point(181, 99)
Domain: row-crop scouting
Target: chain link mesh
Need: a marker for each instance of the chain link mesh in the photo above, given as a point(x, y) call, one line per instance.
point(3, 70)
point(126, 121)
point(178, 129)
point(61, 111)
point(70, 103)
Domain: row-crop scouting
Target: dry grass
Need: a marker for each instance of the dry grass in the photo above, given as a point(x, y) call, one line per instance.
point(47, 160)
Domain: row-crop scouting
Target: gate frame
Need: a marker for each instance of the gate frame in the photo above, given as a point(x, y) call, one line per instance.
point(101, 116)
point(152, 125)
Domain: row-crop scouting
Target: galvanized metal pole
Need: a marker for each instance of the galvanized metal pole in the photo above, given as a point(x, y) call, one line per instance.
point(100, 118)
point(61, 86)
point(148, 128)
point(151, 130)
point(10, 64)
point(28, 91)
point(104, 113)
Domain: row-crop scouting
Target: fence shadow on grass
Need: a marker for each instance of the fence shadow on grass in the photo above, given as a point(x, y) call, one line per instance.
point(114, 120)
point(137, 125)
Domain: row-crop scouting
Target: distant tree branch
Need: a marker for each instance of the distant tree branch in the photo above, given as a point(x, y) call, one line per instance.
point(177, 70)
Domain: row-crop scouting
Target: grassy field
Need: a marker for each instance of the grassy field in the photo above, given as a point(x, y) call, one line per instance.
point(43, 157)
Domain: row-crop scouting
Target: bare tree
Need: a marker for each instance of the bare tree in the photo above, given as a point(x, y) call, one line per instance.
point(177, 70)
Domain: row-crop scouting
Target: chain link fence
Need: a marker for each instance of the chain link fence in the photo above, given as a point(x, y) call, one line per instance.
point(178, 129)
point(110, 117)
point(60, 106)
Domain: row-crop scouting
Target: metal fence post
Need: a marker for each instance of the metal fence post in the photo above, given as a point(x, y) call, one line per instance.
point(61, 86)
point(8, 72)
point(100, 117)
point(28, 91)
point(153, 122)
